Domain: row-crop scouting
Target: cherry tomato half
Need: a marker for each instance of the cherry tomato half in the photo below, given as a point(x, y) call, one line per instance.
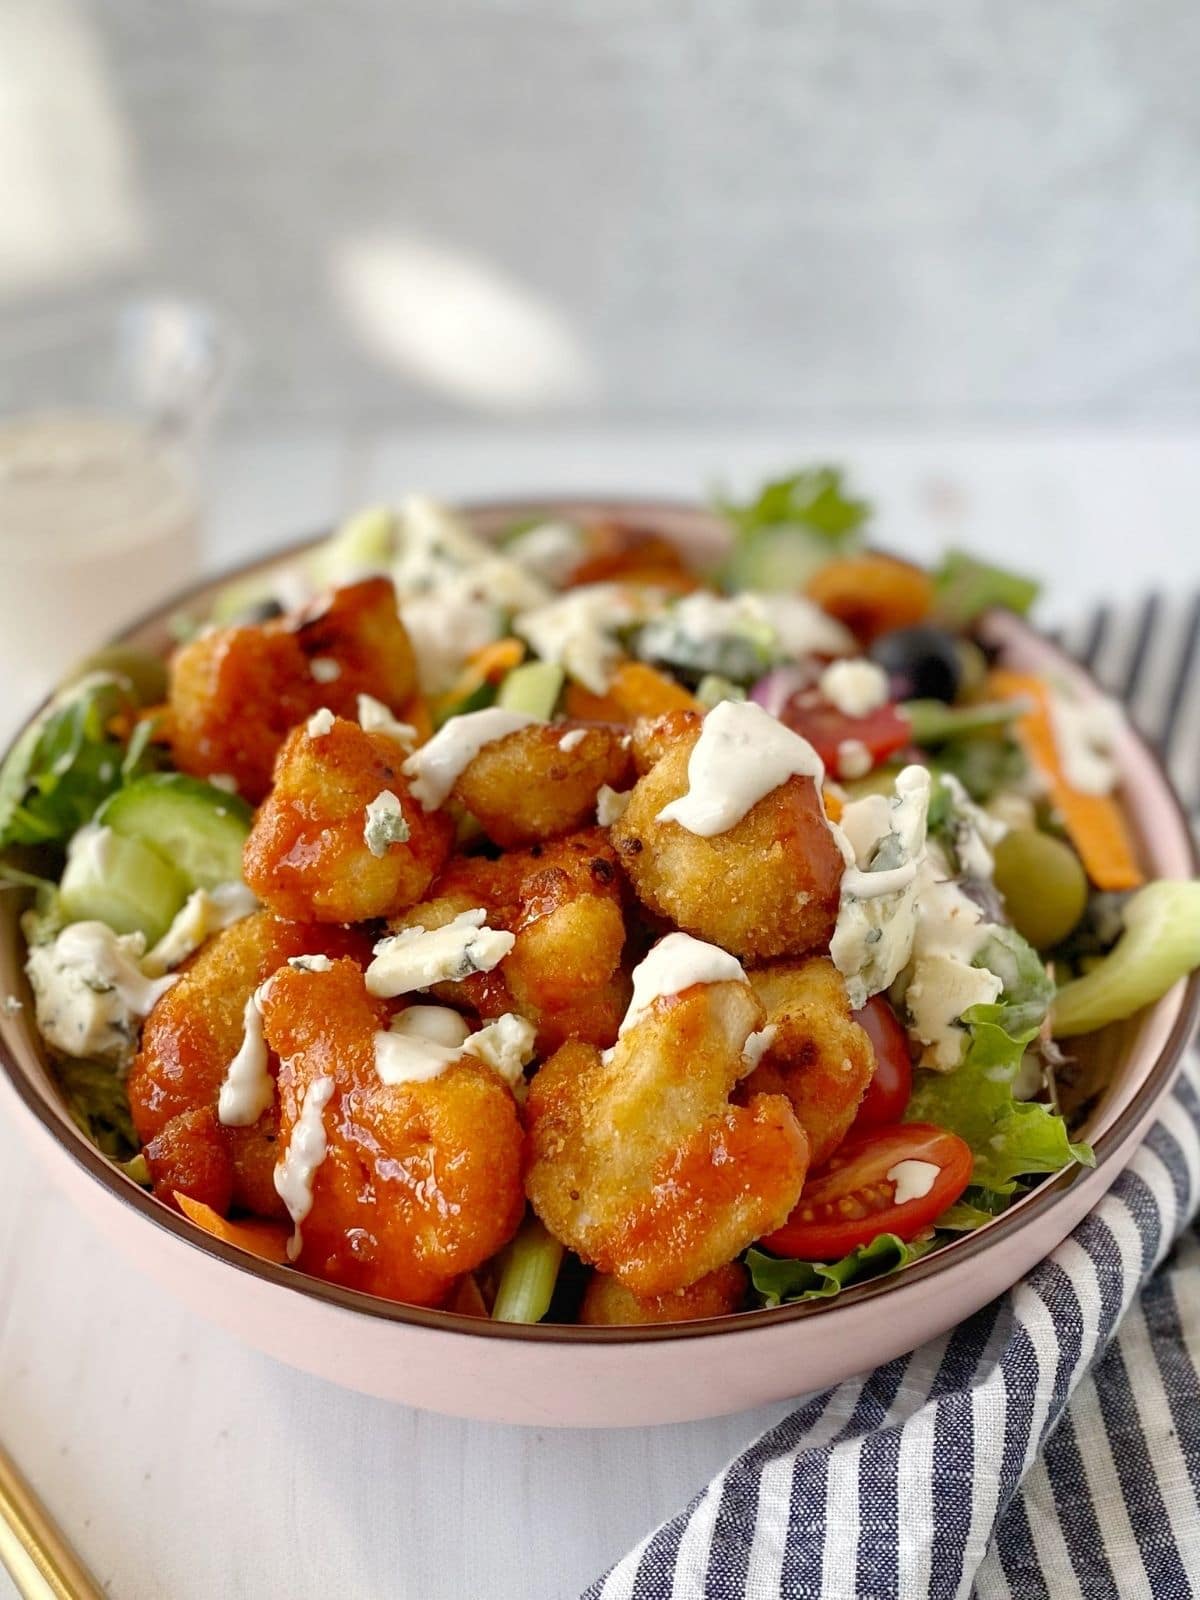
point(853, 1197)
point(889, 1090)
point(883, 732)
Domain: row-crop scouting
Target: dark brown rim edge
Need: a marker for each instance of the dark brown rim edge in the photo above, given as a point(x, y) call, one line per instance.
point(968, 1246)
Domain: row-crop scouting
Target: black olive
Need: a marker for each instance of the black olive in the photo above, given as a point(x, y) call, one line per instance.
point(922, 663)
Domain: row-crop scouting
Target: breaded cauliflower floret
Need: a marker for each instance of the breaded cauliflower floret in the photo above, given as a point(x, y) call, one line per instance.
point(638, 1162)
point(310, 855)
point(542, 781)
point(421, 1181)
point(562, 900)
point(188, 1041)
point(236, 692)
point(819, 1056)
point(766, 887)
point(607, 1302)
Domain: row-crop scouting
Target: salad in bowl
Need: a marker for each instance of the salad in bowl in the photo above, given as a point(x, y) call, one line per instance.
point(570, 929)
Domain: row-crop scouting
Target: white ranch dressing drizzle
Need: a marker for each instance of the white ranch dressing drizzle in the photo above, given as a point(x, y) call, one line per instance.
point(436, 767)
point(571, 741)
point(610, 804)
point(742, 754)
point(374, 717)
point(913, 1180)
point(676, 963)
point(306, 1149)
point(248, 1088)
point(1085, 732)
point(421, 1042)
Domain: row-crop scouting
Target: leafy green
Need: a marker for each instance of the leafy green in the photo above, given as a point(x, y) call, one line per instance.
point(784, 1282)
point(98, 1104)
point(66, 763)
point(972, 1209)
point(965, 586)
point(983, 766)
point(815, 499)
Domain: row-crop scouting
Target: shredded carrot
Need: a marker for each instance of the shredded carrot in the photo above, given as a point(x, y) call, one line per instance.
point(833, 804)
point(1094, 822)
point(489, 664)
point(267, 1240)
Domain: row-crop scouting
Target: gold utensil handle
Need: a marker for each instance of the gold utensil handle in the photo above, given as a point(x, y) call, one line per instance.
point(40, 1561)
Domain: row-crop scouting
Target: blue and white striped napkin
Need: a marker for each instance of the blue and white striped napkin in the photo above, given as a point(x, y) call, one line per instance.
point(1050, 1446)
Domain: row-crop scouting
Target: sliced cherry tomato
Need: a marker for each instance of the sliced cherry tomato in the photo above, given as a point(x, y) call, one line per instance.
point(853, 1197)
point(882, 732)
point(889, 1090)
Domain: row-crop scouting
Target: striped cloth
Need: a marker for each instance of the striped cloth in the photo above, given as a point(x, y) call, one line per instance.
point(1050, 1446)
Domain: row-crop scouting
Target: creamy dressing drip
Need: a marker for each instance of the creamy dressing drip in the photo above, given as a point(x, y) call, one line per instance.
point(374, 717)
point(913, 1180)
point(742, 754)
point(306, 1149)
point(572, 741)
point(248, 1088)
point(676, 963)
point(435, 768)
point(611, 805)
point(423, 1041)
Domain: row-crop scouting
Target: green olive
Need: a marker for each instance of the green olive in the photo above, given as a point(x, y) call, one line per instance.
point(1043, 883)
point(145, 674)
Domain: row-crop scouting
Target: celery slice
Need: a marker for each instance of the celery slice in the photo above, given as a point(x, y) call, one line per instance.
point(533, 687)
point(1160, 945)
point(528, 1272)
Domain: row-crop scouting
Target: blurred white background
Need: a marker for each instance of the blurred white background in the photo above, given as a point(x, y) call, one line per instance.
point(629, 210)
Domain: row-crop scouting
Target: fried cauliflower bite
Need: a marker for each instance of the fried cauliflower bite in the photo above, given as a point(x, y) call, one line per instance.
point(766, 887)
point(607, 1302)
point(236, 692)
point(819, 1057)
point(542, 781)
point(421, 1181)
point(188, 1041)
point(562, 901)
point(638, 1162)
point(309, 856)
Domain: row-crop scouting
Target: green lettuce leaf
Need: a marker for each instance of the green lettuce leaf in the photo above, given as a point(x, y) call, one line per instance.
point(966, 586)
point(815, 499)
point(784, 1282)
point(66, 763)
point(98, 1104)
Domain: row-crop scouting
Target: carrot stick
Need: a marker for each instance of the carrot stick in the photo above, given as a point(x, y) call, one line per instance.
point(1095, 823)
point(267, 1240)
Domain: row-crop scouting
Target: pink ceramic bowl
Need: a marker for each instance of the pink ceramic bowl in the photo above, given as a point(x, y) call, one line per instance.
point(601, 1377)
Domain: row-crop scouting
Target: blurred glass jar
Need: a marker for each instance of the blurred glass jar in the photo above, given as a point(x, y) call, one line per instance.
point(102, 418)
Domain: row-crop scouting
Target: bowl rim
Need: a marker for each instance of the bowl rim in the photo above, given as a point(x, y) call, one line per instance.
point(965, 1248)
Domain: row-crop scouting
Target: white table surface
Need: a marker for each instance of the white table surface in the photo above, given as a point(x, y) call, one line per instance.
point(185, 1466)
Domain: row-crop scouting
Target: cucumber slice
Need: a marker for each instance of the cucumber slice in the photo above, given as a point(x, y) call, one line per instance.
point(361, 545)
point(198, 827)
point(121, 882)
point(778, 559)
point(1160, 945)
point(533, 687)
